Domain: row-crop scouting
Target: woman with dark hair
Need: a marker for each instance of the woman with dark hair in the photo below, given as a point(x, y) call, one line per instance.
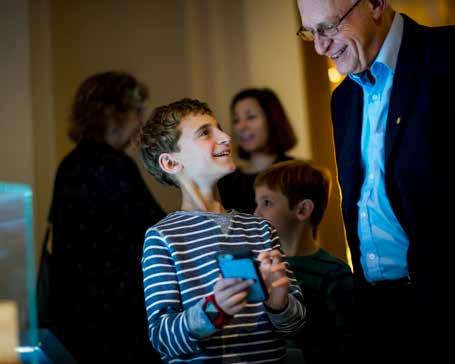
point(263, 134)
point(100, 211)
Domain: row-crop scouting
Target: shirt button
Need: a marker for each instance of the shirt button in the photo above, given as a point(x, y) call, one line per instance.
point(363, 215)
point(375, 97)
point(371, 256)
point(371, 176)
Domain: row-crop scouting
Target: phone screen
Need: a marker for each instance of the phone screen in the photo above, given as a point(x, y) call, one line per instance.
point(242, 265)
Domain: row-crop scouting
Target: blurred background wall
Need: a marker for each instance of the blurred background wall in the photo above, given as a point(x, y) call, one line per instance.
point(208, 49)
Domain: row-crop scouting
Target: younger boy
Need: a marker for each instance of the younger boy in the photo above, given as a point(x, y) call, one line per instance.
point(194, 314)
point(293, 196)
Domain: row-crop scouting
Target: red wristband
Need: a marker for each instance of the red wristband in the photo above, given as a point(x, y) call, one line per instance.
point(222, 318)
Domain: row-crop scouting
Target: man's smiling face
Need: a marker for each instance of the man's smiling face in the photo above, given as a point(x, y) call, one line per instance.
point(352, 47)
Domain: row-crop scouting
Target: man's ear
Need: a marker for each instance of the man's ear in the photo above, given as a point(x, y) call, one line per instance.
point(169, 164)
point(377, 8)
point(304, 209)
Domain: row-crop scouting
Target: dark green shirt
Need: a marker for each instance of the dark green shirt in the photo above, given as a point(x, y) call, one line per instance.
point(327, 284)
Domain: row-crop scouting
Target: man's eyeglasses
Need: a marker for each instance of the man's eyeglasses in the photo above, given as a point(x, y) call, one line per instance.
point(328, 30)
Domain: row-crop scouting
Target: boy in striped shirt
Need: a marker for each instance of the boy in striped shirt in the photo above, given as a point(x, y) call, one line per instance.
point(194, 314)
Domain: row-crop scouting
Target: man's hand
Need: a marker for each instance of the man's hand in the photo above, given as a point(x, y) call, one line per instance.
point(273, 272)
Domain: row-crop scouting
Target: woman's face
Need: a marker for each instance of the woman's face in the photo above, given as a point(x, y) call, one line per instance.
point(250, 125)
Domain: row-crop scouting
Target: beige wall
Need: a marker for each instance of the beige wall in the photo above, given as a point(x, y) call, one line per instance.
point(139, 36)
point(274, 60)
point(16, 132)
point(200, 48)
point(427, 12)
point(44, 132)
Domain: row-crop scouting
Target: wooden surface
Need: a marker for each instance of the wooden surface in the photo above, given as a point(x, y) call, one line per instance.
point(8, 332)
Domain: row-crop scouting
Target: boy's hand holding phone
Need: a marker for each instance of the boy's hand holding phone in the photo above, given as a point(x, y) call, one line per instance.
point(242, 264)
point(273, 272)
point(262, 280)
point(231, 294)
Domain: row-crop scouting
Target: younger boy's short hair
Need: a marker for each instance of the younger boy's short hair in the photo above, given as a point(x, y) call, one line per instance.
point(161, 132)
point(299, 180)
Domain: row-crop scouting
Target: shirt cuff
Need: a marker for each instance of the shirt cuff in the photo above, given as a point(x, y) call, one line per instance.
point(198, 322)
point(293, 310)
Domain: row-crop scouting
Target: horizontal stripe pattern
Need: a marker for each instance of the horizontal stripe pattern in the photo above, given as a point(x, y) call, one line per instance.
point(180, 268)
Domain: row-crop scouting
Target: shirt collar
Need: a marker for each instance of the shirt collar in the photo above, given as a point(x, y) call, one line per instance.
point(388, 54)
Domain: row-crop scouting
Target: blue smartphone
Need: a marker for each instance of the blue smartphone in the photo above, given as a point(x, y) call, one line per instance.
point(241, 264)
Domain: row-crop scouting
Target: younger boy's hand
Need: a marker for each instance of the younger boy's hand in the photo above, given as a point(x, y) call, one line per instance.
point(273, 272)
point(231, 293)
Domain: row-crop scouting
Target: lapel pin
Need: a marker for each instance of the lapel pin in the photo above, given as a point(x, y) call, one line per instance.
point(398, 120)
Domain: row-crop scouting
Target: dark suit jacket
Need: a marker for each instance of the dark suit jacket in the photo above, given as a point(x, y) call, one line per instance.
point(416, 151)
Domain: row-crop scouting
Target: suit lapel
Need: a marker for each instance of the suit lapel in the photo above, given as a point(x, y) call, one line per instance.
point(350, 156)
point(404, 86)
point(355, 129)
point(350, 127)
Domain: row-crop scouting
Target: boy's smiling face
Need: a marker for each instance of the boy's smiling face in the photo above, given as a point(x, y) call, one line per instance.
point(205, 150)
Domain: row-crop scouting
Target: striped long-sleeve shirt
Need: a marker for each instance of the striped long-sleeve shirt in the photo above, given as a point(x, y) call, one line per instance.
point(180, 270)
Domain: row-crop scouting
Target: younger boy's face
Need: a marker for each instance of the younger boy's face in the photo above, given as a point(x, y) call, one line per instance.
point(205, 150)
point(274, 206)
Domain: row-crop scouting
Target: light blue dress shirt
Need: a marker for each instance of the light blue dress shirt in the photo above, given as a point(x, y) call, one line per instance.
point(383, 242)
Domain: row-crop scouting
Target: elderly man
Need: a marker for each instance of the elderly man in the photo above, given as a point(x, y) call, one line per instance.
point(391, 117)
